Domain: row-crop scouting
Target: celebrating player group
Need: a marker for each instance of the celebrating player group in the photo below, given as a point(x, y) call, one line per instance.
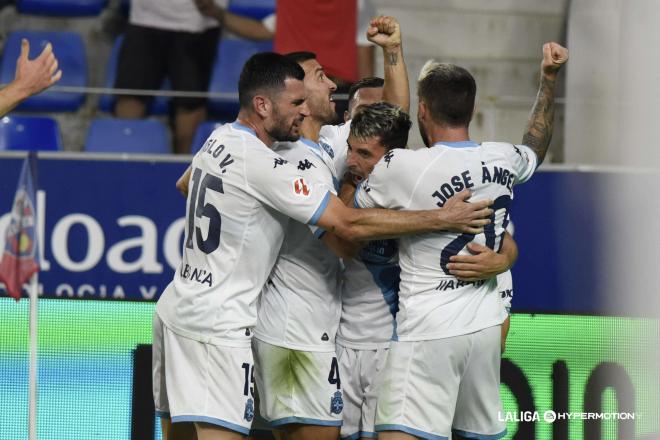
point(334, 283)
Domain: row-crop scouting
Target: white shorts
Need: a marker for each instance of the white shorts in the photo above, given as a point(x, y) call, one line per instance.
point(431, 388)
point(361, 374)
point(297, 386)
point(198, 382)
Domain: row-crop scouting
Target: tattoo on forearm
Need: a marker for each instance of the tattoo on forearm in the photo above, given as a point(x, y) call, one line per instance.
point(541, 122)
point(393, 58)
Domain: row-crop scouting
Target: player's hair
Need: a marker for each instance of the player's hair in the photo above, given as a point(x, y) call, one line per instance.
point(383, 120)
point(364, 83)
point(265, 72)
point(300, 57)
point(448, 91)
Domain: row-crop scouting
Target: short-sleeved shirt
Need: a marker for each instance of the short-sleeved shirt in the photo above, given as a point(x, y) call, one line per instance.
point(172, 15)
point(432, 303)
point(370, 297)
point(239, 203)
point(334, 140)
point(300, 304)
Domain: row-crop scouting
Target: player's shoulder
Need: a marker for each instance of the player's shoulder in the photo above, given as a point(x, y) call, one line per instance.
point(507, 149)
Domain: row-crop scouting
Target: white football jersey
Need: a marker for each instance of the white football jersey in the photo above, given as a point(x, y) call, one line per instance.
point(432, 303)
point(334, 140)
point(300, 304)
point(370, 296)
point(505, 287)
point(370, 280)
point(241, 195)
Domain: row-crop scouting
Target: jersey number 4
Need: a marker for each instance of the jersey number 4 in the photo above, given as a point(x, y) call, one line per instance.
point(198, 209)
point(456, 245)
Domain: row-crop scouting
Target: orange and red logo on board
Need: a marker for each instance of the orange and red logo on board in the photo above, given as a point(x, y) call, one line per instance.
point(301, 188)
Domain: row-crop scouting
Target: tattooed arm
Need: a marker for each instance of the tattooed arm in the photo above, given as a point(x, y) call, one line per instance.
point(541, 122)
point(386, 33)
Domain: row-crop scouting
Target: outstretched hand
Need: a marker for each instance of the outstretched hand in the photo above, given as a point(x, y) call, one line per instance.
point(34, 76)
point(463, 216)
point(385, 32)
point(554, 57)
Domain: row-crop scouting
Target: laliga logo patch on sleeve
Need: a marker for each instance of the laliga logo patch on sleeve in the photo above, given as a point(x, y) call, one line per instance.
point(301, 188)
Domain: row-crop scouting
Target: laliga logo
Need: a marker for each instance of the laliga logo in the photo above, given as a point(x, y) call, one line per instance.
point(300, 187)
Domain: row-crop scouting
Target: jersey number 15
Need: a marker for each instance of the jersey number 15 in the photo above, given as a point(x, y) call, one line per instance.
point(199, 209)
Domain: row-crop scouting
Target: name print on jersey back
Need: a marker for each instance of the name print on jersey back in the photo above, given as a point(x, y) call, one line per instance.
point(433, 303)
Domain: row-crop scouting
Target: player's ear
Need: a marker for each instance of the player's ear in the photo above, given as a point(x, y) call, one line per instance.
point(347, 115)
point(421, 110)
point(262, 105)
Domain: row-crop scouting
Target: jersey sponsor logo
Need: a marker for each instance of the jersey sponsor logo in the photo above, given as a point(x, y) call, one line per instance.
point(506, 293)
point(328, 149)
point(336, 403)
point(248, 414)
point(301, 188)
point(201, 276)
point(279, 161)
point(456, 284)
point(325, 337)
point(305, 165)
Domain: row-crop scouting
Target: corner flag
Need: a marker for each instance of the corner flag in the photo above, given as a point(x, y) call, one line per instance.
point(20, 256)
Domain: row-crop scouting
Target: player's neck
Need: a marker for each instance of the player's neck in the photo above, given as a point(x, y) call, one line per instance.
point(443, 133)
point(253, 122)
point(311, 128)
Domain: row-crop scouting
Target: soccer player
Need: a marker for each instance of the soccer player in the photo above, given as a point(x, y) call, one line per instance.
point(371, 279)
point(441, 377)
point(294, 341)
point(242, 195)
point(297, 372)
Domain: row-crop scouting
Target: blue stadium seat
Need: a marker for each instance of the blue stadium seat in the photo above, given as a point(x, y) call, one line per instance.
point(230, 57)
point(30, 133)
point(62, 8)
point(127, 136)
point(202, 133)
point(158, 106)
point(257, 9)
point(70, 52)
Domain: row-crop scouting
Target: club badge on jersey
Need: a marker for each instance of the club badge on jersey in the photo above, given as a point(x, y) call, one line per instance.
point(336, 403)
point(249, 410)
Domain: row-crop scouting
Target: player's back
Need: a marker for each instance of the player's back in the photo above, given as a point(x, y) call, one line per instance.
point(239, 189)
point(432, 302)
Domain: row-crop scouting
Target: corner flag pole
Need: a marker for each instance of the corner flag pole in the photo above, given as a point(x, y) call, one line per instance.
point(34, 327)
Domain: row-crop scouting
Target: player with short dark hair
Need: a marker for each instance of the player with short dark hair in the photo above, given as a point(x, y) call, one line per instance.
point(446, 350)
point(241, 196)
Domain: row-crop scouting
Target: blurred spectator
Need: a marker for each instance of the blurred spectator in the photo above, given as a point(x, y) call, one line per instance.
point(168, 38)
point(265, 30)
point(32, 77)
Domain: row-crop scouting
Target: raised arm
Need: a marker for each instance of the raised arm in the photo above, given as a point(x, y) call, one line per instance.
point(370, 224)
point(386, 33)
point(541, 122)
point(32, 77)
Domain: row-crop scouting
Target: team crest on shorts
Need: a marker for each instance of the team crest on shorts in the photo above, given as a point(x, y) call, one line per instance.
point(336, 403)
point(249, 410)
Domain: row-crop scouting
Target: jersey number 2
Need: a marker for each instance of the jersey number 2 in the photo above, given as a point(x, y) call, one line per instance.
point(456, 245)
point(200, 209)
